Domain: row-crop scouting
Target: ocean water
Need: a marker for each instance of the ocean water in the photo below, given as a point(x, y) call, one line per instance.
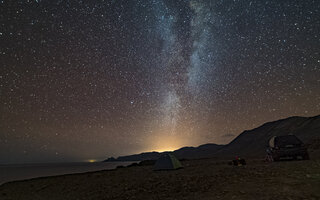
point(27, 171)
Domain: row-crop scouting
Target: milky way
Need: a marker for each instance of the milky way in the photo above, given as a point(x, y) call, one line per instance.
point(84, 80)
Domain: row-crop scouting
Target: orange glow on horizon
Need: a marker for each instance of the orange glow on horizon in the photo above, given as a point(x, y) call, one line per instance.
point(168, 142)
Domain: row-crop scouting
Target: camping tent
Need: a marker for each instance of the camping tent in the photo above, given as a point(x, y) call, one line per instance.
point(167, 162)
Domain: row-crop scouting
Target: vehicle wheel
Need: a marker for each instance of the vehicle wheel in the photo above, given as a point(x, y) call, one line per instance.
point(306, 156)
point(275, 158)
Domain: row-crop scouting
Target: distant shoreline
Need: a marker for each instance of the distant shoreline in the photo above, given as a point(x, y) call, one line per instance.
point(19, 172)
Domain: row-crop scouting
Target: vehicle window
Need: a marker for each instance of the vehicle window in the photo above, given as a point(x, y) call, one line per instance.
point(287, 140)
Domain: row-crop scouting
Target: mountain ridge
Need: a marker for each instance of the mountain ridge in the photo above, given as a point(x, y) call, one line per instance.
point(249, 143)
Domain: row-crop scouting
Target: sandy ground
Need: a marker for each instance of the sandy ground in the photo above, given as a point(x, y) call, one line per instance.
point(200, 179)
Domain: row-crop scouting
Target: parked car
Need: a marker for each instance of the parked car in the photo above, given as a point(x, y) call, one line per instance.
point(286, 147)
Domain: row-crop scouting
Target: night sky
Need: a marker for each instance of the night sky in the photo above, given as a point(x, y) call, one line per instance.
point(84, 80)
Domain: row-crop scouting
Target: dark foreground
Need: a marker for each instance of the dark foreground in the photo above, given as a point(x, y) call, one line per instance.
point(200, 179)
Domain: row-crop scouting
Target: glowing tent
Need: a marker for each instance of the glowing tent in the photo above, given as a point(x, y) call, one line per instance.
point(167, 162)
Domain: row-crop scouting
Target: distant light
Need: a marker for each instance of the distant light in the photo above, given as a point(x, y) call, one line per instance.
point(92, 160)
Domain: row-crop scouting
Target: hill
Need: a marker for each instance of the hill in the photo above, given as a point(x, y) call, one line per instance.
point(253, 142)
point(203, 151)
point(250, 143)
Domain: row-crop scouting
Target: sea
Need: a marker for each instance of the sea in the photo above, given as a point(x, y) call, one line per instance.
point(15, 172)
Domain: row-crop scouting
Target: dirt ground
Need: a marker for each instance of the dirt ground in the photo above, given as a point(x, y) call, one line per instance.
point(200, 179)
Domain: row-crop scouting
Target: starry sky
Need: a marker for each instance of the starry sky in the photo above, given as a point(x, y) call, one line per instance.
point(86, 80)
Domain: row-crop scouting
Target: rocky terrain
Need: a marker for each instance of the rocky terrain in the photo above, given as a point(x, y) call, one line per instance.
point(199, 179)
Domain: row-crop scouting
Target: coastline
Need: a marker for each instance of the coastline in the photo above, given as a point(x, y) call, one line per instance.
point(16, 172)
